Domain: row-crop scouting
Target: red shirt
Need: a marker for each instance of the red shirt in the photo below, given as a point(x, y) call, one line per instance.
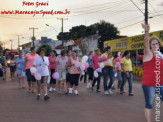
point(153, 72)
point(95, 61)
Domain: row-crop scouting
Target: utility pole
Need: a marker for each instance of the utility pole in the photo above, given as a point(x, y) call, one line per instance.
point(11, 45)
point(33, 38)
point(62, 19)
point(146, 12)
point(18, 42)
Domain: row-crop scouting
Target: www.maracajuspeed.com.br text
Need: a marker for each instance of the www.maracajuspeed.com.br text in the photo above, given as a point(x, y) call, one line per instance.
point(42, 12)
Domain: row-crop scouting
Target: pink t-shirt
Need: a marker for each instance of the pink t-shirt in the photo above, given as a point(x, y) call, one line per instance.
point(52, 63)
point(30, 60)
point(73, 69)
point(95, 61)
point(117, 63)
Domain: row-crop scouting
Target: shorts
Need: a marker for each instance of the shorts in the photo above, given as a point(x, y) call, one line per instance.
point(68, 77)
point(74, 79)
point(43, 80)
point(12, 69)
point(29, 76)
point(62, 74)
point(20, 73)
point(52, 80)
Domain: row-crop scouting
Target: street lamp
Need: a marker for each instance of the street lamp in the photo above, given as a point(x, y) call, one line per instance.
point(51, 27)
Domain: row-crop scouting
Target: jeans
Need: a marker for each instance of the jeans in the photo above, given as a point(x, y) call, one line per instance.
point(108, 72)
point(119, 79)
point(124, 79)
point(149, 92)
point(98, 79)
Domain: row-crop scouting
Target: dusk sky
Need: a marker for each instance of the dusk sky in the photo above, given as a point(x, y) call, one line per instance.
point(122, 13)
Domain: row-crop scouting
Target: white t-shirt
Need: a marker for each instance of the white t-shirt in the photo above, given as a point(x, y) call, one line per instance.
point(43, 63)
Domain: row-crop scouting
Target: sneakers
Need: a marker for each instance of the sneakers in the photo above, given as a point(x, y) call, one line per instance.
point(110, 91)
point(54, 90)
point(106, 92)
point(76, 92)
point(89, 85)
point(46, 97)
point(51, 89)
point(98, 91)
point(38, 97)
point(70, 91)
point(131, 94)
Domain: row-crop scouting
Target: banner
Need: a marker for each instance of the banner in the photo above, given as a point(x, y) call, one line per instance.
point(131, 43)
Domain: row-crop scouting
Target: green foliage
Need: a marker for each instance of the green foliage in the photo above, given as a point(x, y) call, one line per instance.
point(106, 31)
point(47, 47)
point(66, 36)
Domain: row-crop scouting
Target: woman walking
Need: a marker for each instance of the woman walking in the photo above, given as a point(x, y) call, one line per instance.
point(152, 81)
point(118, 69)
point(52, 66)
point(20, 70)
point(29, 59)
point(12, 67)
point(61, 69)
point(42, 62)
point(68, 72)
point(74, 72)
point(127, 73)
point(90, 70)
point(95, 65)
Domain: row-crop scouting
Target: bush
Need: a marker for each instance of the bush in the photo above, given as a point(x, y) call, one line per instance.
point(47, 47)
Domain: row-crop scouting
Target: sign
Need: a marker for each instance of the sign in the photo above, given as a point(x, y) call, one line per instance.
point(131, 43)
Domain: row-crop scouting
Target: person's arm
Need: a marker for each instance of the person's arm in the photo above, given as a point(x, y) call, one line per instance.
point(147, 51)
point(127, 73)
point(25, 62)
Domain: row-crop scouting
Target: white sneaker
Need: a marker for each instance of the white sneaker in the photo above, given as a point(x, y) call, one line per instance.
point(110, 91)
point(76, 92)
point(51, 89)
point(96, 84)
point(88, 85)
point(70, 91)
point(54, 90)
point(106, 92)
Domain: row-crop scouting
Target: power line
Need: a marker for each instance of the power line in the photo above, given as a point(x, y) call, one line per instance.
point(137, 7)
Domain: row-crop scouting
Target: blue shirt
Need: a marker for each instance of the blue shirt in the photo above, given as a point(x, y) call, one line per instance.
point(89, 62)
point(20, 66)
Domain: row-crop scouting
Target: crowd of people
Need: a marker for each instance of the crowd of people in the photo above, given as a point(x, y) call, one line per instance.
point(69, 74)
point(101, 68)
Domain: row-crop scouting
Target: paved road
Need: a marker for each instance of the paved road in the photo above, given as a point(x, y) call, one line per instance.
point(19, 106)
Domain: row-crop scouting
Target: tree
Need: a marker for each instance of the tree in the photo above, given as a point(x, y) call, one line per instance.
point(78, 32)
point(47, 47)
point(106, 31)
point(66, 36)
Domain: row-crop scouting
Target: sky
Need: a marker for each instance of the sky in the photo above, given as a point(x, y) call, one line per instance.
point(126, 16)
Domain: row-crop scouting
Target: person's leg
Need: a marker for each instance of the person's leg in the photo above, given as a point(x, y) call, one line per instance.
point(22, 81)
point(85, 77)
point(98, 82)
point(76, 76)
point(124, 79)
point(64, 80)
point(105, 73)
point(19, 81)
point(119, 79)
point(111, 75)
point(59, 86)
point(149, 92)
point(130, 80)
point(161, 93)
